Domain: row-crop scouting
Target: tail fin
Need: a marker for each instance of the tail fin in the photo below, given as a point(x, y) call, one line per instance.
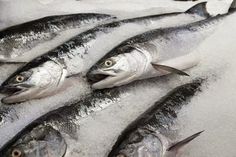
point(199, 9)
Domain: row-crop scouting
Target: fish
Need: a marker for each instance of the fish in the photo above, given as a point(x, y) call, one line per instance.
point(49, 134)
point(154, 53)
point(149, 134)
point(18, 43)
point(45, 75)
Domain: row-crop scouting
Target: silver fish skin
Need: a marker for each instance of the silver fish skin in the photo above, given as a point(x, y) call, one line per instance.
point(149, 134)
point(17, 41)
point(44, 75)
point(154, 53)
point(49, 135)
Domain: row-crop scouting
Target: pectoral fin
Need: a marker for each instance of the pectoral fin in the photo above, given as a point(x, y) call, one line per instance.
point(182, 143)
point(169, 69)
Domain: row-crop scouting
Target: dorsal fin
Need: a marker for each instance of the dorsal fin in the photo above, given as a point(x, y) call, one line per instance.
point(199, 9)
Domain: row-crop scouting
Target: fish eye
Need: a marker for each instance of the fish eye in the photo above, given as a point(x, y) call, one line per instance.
point(19, 78)
point(108, 63)
point(16, 153)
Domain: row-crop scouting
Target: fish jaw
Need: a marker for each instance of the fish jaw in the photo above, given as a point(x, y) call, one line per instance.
point(109, 81)
point(23, 95)
point(18, 94)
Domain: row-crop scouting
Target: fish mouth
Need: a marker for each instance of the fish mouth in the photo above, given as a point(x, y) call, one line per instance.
point(13, 93)
point(99, 75)
point(97, 78)
point(108, 79)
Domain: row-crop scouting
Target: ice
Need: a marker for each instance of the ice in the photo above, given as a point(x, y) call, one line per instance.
point(212, 110)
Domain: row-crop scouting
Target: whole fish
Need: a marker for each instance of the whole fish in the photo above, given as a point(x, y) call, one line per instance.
point(17, 43)
point(154, 53)
point(149, 134)
point(44, 75)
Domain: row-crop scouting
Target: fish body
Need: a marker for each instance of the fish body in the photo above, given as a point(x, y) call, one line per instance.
point(18, 41)
point(45, 74)
point(149, 134)
point(154, 53)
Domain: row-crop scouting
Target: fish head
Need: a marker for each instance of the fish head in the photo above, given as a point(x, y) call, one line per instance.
point(42, 141)
point(32, 83)
point(141, 144)
point(117, 70)
point(109, 72)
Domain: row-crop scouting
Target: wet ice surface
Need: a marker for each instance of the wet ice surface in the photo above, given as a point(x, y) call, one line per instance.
point(212, 110)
